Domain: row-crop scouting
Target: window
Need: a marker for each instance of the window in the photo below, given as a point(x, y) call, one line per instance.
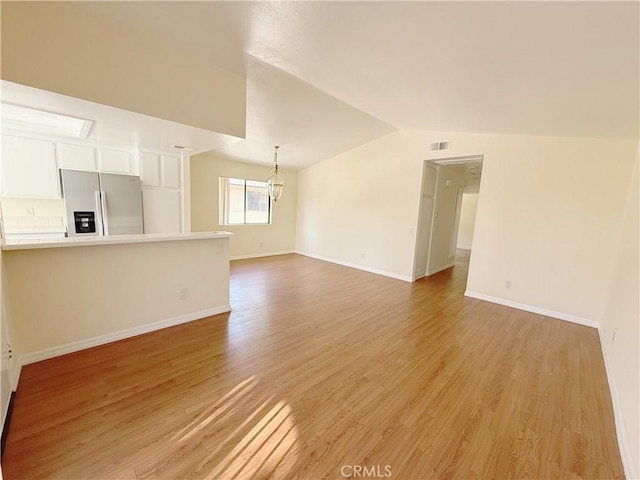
point(244, 202)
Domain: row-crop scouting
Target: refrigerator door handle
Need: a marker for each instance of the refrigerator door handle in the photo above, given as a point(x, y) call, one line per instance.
point(105, 215)
point(98, 209)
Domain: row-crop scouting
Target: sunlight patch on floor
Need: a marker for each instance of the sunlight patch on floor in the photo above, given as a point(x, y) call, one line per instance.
point(217, 410)
point(266, 451)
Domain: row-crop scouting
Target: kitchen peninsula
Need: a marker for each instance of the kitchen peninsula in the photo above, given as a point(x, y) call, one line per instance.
point(67, 294)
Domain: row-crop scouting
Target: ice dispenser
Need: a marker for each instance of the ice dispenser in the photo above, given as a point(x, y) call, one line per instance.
point(85, 222)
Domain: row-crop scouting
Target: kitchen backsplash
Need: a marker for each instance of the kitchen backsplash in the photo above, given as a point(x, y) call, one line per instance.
point(36, 223)
point(32, 216)
point(19, 207)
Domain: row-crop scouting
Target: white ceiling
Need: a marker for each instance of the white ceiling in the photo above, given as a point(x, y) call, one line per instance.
point(323, 77)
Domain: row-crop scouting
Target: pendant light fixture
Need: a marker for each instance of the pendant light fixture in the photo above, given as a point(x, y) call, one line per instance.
point(275, 182)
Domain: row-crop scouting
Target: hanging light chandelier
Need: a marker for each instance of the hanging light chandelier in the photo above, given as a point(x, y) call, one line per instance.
point(275, 182)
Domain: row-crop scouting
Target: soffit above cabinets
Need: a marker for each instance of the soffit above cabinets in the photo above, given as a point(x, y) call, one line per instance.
point(113, 126)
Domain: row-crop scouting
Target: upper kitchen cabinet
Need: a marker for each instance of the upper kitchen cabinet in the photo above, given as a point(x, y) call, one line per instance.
point(159, 170)
point(116, 161)
point(29, 168)
point(150, 175)
point(170, 171)
point(77, 157)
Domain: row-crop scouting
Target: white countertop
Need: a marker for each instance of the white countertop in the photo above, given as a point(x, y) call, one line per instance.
point(32, 243)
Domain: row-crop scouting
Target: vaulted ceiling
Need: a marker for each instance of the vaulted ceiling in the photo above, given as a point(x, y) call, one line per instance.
point(324, 77)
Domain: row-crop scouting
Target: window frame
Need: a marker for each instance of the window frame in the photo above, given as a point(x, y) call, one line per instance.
point(224, 192)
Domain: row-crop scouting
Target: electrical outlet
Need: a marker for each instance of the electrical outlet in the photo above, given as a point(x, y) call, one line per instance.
point(29, 212)
point(507, 284)
point(261, 244)
point(184, 293)
point(362, 255)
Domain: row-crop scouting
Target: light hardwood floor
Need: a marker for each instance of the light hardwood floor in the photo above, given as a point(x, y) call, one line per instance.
point(320, 368)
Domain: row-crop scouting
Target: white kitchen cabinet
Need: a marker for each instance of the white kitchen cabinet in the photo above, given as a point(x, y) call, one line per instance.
point(77, 157)
point(115, 161)
point(160, 175)
point(161, 209)
point(95, 159)
point(170, 171)
point(29, 168)
point(160, 170)
point(150, 169)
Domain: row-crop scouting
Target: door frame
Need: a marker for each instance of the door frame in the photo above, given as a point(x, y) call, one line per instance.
point(430, 163)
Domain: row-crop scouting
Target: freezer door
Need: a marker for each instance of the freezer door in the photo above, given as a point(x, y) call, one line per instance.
point(81, 193)
point(121, 199)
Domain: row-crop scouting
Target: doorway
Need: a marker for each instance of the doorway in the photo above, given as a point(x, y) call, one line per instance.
point(447, 214)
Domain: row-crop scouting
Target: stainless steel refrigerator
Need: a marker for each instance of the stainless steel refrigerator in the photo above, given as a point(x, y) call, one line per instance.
point(101, 203)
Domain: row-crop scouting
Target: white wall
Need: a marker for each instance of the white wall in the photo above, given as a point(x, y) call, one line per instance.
point(83, 57)
point(361, 207)
point(467, 220)
point(57, 297)
point(248, 240)
point(620, 327)
point(548, 212)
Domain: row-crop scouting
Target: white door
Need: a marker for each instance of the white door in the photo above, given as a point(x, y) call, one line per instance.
point(444, 219)
point(425, 220)
point(6, 367)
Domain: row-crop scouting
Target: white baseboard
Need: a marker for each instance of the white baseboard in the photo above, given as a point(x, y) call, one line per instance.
point(356, 266)
point(625, 453)
point(439, 269)
point(15, 373)
point(464, 246)
point(52, 352)
point(530, 308)
point(258, 255)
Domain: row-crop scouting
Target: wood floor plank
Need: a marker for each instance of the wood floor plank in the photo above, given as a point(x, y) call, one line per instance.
point(320, 369)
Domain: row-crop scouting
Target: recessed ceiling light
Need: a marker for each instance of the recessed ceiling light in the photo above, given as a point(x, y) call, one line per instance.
point(31, 120)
